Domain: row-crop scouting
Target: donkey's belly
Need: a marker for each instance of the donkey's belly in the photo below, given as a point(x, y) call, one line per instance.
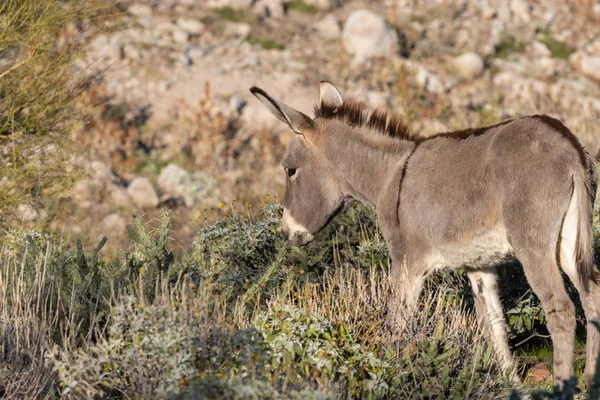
point(488, 249)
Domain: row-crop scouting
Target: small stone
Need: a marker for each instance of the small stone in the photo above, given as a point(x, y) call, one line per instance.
point(140, 10)
point(328, 27)
point(131, 52)
point(142, 193)
point(119, 196)
point(320, 4)
point(26, 213)
point(539, 373)
point(190, 25)
point(172, 177)
point(237, 103)
point(586, 64)
point(113, 226)
point(539, 49)
point(367, 35)
point(240, 29)
point(193, 54)
point(430, 81)
point(180, 36)
point(470, 65)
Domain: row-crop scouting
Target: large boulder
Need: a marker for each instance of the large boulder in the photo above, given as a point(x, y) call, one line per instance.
point(367, 35)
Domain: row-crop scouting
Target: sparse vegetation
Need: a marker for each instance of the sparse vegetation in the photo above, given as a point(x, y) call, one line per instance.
point(557, 48)
point(39, 86)
point(242, 316)
point(508, 45)
point(302, 6)
point(230, 14)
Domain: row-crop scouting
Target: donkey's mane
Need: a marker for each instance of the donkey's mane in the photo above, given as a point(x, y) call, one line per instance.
point(357, 114)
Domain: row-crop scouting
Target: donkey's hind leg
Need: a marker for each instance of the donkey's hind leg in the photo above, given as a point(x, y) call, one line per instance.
point(544, 277)
point(590, 299)
point(491, 316)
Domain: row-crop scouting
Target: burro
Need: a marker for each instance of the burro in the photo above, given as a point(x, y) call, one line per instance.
point(472, 199)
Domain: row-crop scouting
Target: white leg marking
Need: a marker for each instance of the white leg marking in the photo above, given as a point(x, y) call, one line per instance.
point(485, 284)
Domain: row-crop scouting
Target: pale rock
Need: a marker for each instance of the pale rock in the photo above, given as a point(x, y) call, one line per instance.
point(539, 49)
point(26, 213)
point(180, 35)
point(320, 4)
point(428, 80)
point(469, 65)
point(106, 47)
point(237, 103)
point(239, 29)
point(521, 9)
point(588, 65)
point(191, 25)
point(119, 196)
point(269, 8)
point(131, 53)
point(142, 193)
point(113, 226)
point(367, 35)
point(328, 27)
point(140, 10)
point(171, 177)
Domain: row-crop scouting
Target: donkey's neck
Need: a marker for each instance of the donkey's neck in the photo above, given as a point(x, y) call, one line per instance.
point(367, 163)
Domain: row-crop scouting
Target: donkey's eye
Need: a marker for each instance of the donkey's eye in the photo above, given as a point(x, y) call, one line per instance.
point(291, 171)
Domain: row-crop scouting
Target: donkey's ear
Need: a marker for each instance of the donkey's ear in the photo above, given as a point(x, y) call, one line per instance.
point(296, 120)
point(329, 96)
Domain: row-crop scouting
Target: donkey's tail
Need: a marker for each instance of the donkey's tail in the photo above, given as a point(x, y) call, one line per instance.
point(585, 190)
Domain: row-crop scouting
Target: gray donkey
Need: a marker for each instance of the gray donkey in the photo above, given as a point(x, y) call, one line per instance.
point(523, 188)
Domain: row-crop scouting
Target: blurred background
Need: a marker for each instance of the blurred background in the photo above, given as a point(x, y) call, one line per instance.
point(112, 110)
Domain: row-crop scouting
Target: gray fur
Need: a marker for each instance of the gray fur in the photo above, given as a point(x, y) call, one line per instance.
point(473, 199)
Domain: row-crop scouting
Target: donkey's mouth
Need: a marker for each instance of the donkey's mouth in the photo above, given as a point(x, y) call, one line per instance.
point(300, 238)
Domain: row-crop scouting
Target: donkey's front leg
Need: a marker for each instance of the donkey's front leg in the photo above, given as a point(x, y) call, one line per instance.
point(406, 286)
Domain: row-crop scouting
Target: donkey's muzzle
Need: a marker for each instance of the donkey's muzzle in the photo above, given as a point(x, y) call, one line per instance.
point(296, 233)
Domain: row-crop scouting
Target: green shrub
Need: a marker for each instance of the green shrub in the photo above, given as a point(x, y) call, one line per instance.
point(39, 86)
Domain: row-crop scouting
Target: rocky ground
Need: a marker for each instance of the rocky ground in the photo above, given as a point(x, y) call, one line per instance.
point(177, 126)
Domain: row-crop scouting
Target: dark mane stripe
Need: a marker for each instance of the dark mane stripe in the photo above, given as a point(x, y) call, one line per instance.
point(355, 114)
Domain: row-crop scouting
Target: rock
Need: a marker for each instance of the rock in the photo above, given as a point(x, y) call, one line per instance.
point(320, 4)
point(328, 28)
point(430, 81)
point(119, 196)
point(131, 53)
point(171, 177)
point(105, 47)
point(539, 373)
point(469, 65)
point(239, 29)
point(180, 35)
point(237, 103)
point(140, 10)
point(26, 213)
point(191, 25)
point(269, 8)
point(521, 9)
point(539, 49)
point(588, 65)
point(367, 35)
point(193, 54)
point(142, 193)
point(113, 226)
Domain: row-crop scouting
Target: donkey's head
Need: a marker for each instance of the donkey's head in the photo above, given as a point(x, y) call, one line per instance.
point(313, 194)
